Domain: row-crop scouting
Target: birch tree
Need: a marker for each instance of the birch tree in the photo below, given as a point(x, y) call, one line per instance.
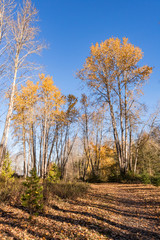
point(6, 15)
point(23, 33)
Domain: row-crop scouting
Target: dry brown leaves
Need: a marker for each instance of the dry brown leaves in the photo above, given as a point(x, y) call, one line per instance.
point(109, 211)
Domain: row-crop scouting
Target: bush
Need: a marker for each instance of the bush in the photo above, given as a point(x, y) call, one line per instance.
point(155, 180)
point(67, 189)
point(131, 178)
point(33, 195)
point(94, 178)
point(128, 178)
point(145, 178)
point(10, 191)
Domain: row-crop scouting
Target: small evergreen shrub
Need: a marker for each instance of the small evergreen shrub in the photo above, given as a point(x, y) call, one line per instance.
point(33, 195)
point(54, 173)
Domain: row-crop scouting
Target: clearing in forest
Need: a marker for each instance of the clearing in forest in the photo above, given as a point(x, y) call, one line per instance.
point(108, 211)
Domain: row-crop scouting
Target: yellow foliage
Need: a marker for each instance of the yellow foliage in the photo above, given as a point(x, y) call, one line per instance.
point(107, 159)
point(32, 101)
point(50, 96)
point(105, 154)
point(24, 100)
point(110, 59)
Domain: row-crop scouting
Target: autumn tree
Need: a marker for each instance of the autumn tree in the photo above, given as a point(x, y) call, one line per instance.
point(112, 73)
point(37, 108)
point(50, 103)
point(24, 118)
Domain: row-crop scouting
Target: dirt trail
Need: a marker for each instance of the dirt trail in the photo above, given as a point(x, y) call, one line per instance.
point(109, 211)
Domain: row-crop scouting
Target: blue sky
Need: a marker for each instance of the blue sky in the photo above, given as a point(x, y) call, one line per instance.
point(71, 26)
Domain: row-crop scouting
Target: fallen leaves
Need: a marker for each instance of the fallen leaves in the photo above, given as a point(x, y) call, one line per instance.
point(109, 211)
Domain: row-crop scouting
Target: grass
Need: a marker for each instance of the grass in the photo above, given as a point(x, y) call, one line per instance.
point(12, 190)
point(68, 190)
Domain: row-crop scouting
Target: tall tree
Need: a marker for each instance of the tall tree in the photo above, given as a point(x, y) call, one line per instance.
point(24, 116)
point(112, 73)
point(23, 32)
point(50, 102)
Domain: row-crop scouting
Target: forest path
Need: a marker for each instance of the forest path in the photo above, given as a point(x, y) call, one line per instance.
point(108, 211)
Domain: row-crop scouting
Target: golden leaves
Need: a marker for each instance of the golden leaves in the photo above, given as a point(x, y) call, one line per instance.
point(113, 61)
point(35, 100)
point(110, 57)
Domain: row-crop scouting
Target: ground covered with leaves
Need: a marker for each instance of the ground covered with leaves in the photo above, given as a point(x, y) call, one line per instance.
point(108, 211)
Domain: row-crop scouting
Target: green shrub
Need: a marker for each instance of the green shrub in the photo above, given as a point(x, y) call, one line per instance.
point(67, 189)
point(54, 173)
point(130, 178)
point(145, 178)
point(114, 178)
point(155, 180)
point(33, 195)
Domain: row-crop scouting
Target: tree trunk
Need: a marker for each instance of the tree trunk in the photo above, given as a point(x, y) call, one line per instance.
point(115, 133)
point(121, 121)
point(33, 146)
point(24, 152)
point(130, 149)
point(44, 146)
point(136, 159)
point(9, 114)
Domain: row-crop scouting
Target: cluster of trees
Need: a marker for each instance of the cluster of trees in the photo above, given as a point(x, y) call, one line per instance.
point(42, 119)
point(102, 132)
